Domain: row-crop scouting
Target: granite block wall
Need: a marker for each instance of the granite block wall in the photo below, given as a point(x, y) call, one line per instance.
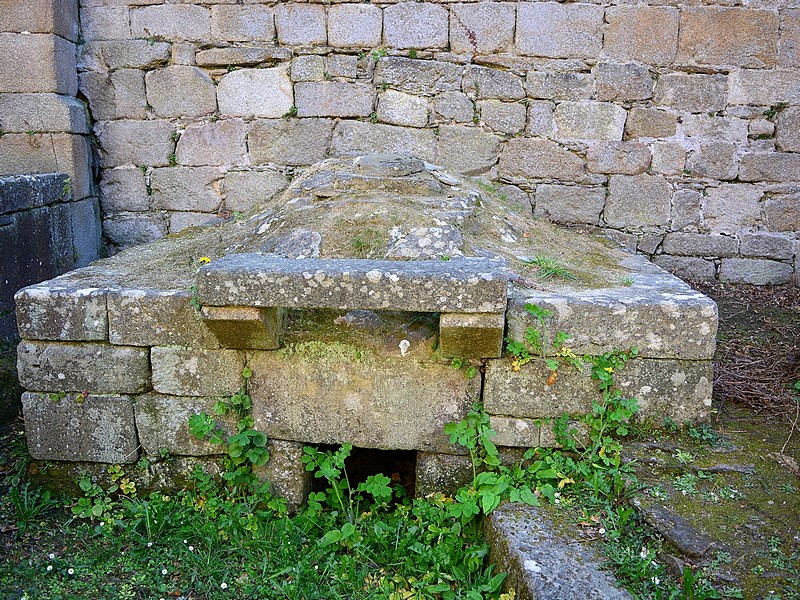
point(673, 127)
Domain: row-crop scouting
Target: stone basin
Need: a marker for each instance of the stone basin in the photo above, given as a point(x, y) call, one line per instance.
point(347, 298)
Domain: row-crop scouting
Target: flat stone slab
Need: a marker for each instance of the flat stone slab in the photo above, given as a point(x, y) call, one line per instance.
point(544, 558)
point(459, 285)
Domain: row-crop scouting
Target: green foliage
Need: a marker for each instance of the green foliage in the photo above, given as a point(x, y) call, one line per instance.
point(470, 370)
point(246, 448)
point(292, 112)
point(535, 343)
point(549, 268)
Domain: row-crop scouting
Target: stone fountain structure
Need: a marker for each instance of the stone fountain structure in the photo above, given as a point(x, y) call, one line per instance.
point(347, 298)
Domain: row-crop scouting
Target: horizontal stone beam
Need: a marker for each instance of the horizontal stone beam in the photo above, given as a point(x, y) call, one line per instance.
point(465, 285)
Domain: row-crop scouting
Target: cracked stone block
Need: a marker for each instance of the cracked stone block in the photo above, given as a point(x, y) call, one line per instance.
point(183, 371)
point(62, 311)
point(77, 427)
point(471, 335)
point(244, 326)
point(83, 367)
point(325, 394)
point(140, 317)
point(482, 28)
point(163, 424)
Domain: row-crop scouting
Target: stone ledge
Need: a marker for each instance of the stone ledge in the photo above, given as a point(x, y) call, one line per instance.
point(464, 285)
point(659, 314)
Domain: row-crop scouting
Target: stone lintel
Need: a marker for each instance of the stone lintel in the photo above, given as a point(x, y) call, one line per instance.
point(460, 285)
point(76, 427)
point(472, 335)
point(244, 326)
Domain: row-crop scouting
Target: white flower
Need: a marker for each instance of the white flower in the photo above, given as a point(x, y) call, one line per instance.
point(163, 571)
point(656, 580)
point(223, 585)
point(49, 567)
point(643, 553)
point(601, 531)
point(191, 548)
point(51, 556)
point(149, 544)
point(70, 571)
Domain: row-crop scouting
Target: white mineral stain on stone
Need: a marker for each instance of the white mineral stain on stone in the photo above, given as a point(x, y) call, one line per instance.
point(705, 329)
point(532, 566)
point(61, 376)
point(373, 276)
point(678, 378)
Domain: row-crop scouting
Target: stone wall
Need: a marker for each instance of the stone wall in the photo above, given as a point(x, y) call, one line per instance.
point(674, 127)
point(43, 126)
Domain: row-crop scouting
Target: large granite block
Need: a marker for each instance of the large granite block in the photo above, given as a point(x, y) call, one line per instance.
point(679, 389)
point(79, 367)
point(323, 394)
point(62, 311)
point(79, 427)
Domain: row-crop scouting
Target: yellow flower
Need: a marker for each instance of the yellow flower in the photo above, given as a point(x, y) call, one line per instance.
point(204, 260)
point(609, 369)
